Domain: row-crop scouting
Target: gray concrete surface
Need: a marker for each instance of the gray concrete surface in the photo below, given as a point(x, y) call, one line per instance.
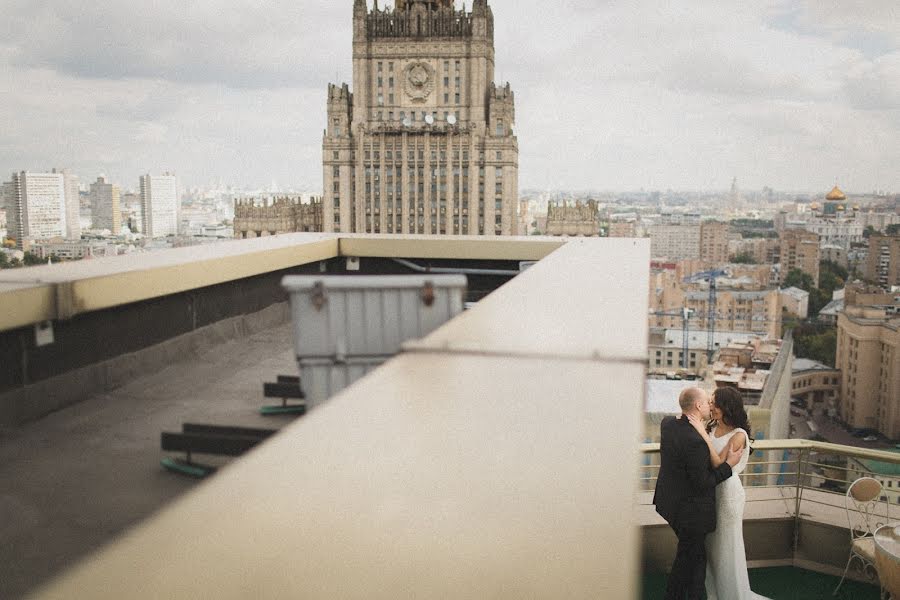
point(74, 480)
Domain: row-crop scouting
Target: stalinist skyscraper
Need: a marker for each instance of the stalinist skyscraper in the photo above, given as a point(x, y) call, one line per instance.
point(424, 142)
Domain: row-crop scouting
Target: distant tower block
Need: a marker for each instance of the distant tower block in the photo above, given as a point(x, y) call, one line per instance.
point(284, 215)
point(734, 197)
point(580, 219)
point(424, 143)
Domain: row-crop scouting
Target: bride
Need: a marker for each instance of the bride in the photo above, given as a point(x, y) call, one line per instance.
point(726, 566)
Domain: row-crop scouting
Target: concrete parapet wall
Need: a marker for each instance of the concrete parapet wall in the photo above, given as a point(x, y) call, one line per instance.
point(31, 402)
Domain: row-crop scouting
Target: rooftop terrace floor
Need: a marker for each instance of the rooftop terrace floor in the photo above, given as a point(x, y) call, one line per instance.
point(782, 583)
point(77, 478)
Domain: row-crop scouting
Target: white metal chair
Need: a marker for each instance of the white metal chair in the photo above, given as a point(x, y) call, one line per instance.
point(863, 497)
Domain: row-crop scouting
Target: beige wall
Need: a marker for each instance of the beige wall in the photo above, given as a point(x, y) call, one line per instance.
point(868, 356)
point(800, 250)
point(798, 307)
point(735, 309)
point(622, 229)
point(714, 242)
point(883, 260)
point(817, 387)
point(675, 241)
point(762, 249)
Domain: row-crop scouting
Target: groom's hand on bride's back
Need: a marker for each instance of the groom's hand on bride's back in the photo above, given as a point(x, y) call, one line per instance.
point(734, 456)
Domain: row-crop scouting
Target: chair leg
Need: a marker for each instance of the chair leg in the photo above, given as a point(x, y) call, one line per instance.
point(847, 568)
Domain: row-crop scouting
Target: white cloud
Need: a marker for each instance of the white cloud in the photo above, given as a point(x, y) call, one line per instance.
point(609, 94)
point(876, 85)
point(152, 133)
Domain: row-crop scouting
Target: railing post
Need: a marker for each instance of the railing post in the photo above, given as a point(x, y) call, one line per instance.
point(798, 498)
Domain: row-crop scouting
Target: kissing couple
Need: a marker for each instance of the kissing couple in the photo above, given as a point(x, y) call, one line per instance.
point(697, 487)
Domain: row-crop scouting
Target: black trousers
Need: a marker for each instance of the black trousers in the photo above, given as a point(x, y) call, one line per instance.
point(688, 576)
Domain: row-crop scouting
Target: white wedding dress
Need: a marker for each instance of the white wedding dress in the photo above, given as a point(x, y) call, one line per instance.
point(726, 560)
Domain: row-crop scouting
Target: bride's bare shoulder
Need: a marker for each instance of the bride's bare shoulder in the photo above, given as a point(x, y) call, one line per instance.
point(738, 440)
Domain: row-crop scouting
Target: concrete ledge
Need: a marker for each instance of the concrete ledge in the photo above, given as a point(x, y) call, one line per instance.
point(37, 400)
point(821, 547)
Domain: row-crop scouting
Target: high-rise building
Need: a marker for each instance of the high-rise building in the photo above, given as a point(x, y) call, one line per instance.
point(883, 260)
point(424, 143)
point(159, 205)
point(714, 242)
point(734, 196)
point(754, 311)
point(132, 211)
point(73, 204)
point(621, 229)
point(575, 219)
point(283, 215)
point(105, 211)
point(676, 242)
point(37, 207)
point(742, 304)
point(868, 357)
point(799, 249)
point(760, 250)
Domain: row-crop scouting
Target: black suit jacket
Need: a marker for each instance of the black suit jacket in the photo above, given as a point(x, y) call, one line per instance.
point(686, 489)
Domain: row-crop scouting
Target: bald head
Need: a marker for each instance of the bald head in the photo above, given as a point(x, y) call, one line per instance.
point(689, 397)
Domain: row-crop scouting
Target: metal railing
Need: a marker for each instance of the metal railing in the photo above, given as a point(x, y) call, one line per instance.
point(812, 476)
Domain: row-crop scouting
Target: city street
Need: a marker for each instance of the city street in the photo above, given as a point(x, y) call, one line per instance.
point(831, 430)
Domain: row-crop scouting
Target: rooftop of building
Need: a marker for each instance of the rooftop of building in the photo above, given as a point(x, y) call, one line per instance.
point(699, 338)
point(795, 293)
point(802, 365)
point(492, 445)
point(472, 400)
point(737, 294)
point(833, 308)
point(881, 467)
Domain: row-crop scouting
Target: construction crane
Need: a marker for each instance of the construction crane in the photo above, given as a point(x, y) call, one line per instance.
point(711, 277)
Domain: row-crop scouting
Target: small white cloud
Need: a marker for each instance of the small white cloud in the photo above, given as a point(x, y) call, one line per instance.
point(875, 85)
point(153, 133)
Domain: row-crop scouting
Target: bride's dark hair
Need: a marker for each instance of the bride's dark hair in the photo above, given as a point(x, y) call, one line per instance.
point(728, 400)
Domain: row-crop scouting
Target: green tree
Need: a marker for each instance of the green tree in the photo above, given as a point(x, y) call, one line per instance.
point(868, 231)
point(818, 299)
point(753, 223)
point(833, 267)
point(799, 279)
point(816, 341)
point(743, 258)
point(832, 276)
point(4, 260)
point(30, 259)
point(892, 229)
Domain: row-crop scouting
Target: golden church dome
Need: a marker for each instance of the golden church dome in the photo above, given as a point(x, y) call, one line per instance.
point(836, 194)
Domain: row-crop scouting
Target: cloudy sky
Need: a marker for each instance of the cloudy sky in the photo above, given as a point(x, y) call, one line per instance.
point(611, 95)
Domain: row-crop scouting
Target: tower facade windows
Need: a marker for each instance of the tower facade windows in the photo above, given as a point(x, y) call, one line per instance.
point(411, 174)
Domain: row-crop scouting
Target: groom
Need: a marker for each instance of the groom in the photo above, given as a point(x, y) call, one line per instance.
point(686, 493)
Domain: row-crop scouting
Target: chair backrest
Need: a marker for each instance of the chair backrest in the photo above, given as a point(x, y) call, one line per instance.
point(862, 500)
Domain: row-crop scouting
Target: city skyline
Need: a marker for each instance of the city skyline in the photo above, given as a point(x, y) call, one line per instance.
point(791, 95)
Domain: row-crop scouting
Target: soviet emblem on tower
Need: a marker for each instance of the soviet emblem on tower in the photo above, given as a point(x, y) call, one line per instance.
point(419, 81)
